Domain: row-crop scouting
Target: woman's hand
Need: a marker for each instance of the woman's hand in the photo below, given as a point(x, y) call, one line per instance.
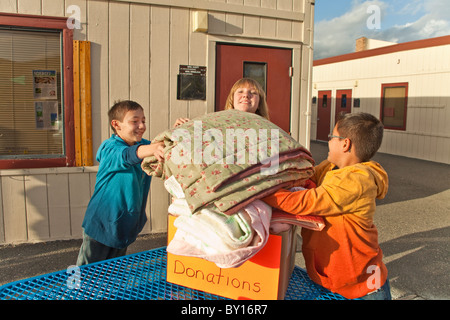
point(180, 121)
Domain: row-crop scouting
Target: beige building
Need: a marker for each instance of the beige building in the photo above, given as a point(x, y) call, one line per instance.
point(64, 63)
point(405, 85)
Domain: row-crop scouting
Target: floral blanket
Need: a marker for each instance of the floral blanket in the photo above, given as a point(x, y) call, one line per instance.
point(228, 159)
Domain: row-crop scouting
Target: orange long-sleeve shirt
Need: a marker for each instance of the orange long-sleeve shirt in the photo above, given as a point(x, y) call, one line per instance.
point(345, 256)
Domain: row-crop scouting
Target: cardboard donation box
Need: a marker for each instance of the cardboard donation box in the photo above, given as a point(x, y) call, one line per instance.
point(263, 277)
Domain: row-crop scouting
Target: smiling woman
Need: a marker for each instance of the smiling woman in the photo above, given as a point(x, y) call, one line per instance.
point(248, 95)
point(246, 99)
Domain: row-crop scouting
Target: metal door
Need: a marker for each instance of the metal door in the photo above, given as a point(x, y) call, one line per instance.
point(269, 66)
point(343, 102)
point(323, 115)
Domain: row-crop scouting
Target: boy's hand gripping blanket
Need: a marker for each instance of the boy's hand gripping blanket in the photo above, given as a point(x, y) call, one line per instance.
point(229, 159)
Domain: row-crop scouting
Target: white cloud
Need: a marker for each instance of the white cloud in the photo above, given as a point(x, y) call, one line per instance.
point(412, 7)
point(430, 18)
point(438, 8)
point(337, 36)
point(426, 27)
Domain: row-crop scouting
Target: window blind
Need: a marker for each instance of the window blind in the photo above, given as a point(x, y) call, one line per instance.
point(31, 119)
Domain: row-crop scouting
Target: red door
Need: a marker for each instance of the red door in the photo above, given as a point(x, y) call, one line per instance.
point(323, 115)
point(270, 66)
point(343, 102)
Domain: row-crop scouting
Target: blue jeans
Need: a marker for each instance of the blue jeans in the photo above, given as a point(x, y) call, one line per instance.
point(94, 251)
point(384, 293)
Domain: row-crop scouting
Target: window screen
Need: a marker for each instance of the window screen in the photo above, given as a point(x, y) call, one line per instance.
point(31, 119)
point(256, 71)
point(344, 101)
point(324, 101)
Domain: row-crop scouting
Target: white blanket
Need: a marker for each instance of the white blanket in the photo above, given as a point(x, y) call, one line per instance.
point(228, 241)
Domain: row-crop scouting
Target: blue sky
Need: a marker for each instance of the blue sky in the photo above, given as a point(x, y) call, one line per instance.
point(338, 23)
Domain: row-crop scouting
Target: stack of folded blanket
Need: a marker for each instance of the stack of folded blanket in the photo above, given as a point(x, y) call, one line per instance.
point(226, 240)
point(217, 167)
point(212, 169)
point(229, 241)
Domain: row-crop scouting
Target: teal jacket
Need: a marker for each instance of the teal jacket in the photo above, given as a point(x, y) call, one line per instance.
point(116, 212)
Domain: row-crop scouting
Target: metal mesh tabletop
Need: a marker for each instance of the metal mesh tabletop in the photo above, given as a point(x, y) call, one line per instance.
point(140, 276)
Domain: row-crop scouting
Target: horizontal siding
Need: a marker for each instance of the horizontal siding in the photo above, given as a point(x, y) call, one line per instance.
point(43, 206)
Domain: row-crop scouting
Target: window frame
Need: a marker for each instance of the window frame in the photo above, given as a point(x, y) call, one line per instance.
point(263, 64)
point(394, 85)
point(55, 23)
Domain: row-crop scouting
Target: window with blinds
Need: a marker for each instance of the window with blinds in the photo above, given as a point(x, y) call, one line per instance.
point(393, 106)
point(31, 107)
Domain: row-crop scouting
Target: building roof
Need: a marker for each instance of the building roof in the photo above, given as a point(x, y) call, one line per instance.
point(412, 45)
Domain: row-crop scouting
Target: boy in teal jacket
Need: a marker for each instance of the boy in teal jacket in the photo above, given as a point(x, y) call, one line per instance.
point(116, 212)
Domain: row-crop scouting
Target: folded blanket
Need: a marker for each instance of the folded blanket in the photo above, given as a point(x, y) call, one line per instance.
point(309, 222)
point(212, 169)
point(228, 241)
point(280, 219)
point(179, 207)
point(217, 232)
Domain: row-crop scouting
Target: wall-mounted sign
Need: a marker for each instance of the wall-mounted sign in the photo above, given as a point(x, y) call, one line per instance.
point(192, 70)
point(191, 83)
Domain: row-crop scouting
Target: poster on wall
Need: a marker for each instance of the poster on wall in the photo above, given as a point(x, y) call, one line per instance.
point(44, 84)
point(46, 115)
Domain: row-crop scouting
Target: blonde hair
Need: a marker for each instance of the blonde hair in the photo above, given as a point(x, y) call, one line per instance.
point(262, 110)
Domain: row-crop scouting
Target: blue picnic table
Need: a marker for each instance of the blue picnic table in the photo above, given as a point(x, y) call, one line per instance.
point(139, 276)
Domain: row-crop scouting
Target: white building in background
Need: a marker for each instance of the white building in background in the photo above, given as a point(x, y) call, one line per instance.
point(406, 85)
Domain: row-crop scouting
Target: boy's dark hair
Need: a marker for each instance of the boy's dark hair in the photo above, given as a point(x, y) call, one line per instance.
point(365, 132)
point(118, 110)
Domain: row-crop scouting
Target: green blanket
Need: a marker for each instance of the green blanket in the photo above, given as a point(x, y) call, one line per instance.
point(228, 159)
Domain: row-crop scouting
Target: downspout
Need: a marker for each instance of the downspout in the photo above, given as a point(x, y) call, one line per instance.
point(308, 112)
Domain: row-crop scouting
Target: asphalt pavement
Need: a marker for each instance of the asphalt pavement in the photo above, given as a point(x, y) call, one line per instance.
point(413, 223)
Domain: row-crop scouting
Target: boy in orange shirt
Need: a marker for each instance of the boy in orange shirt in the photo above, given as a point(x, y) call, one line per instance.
point(345, 256)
